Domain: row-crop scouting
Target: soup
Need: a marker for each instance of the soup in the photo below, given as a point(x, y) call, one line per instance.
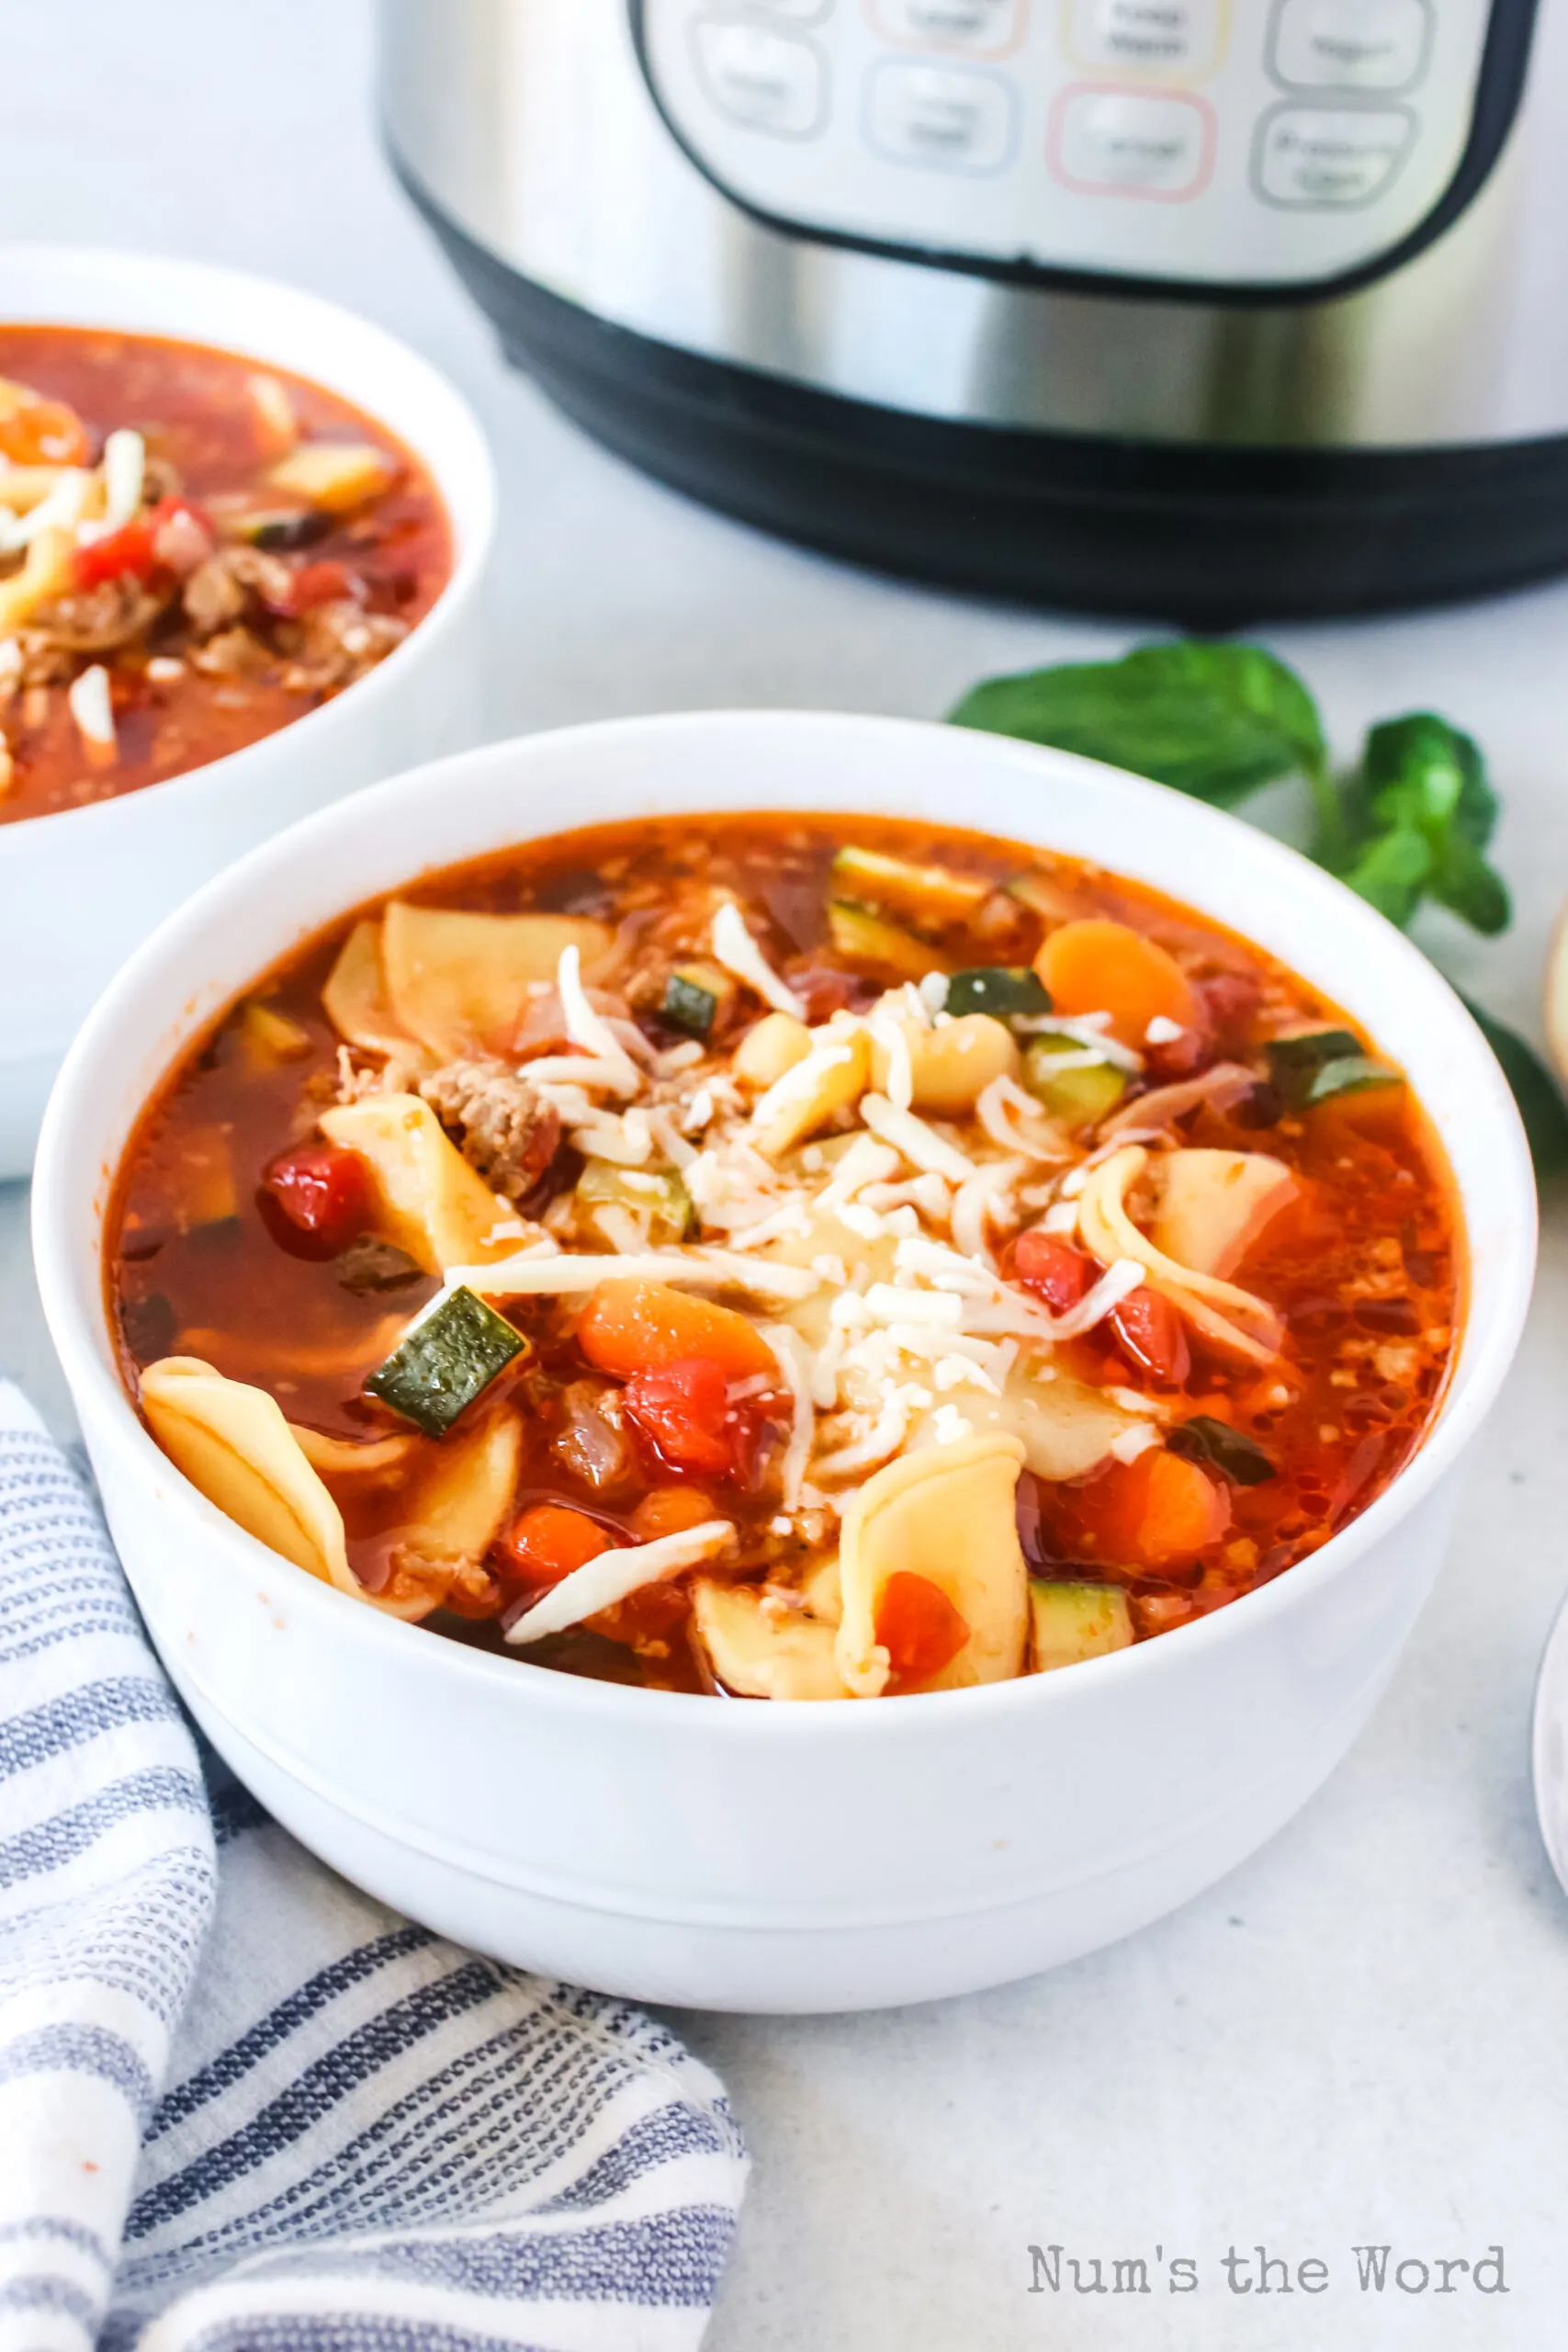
point(786, 1258)
point(195, 549)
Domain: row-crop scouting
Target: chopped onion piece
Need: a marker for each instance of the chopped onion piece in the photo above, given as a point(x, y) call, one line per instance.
point(739, 953)
point(615, 1575)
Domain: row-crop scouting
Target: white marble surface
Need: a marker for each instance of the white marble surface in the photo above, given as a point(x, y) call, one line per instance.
point(1359, 2038)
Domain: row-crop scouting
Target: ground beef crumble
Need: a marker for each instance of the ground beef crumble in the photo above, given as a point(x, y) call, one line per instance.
point(501, 1126)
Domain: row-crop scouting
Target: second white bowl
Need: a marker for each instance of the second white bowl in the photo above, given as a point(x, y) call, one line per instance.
point(80, 889)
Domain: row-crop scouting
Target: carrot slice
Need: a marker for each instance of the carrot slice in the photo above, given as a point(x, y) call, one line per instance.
point(546, 1543)
point(1155, 1509)
point(1098, 966)
point(629, 1327)
point(918, 1626)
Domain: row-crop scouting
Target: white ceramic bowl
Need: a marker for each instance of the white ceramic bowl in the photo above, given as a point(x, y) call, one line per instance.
point(762, 1857)
point(80, 889)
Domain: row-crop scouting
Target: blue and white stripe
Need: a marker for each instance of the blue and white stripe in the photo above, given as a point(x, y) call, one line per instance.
point(340, 2134)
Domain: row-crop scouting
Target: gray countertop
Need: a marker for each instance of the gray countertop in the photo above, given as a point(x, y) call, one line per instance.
point(1358, 2038)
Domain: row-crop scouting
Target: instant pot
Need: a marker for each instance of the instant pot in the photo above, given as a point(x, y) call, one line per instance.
point(1209, 307)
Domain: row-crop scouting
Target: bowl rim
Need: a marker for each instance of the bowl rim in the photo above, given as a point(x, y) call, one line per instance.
point(1487, 1346)
point(471, 548)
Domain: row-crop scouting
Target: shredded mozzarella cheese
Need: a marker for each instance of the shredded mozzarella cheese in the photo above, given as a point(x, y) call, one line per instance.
point(576, 1070)
point(918, 1142)
point(60, 509)
point(789, 1351)
point(739, 953)
point(124, 470)
point(615, 1575)
point(587, 1028)
point(527, 1275)
point(981, 1201)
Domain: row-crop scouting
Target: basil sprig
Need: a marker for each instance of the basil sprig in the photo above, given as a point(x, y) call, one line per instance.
point(1409, 823)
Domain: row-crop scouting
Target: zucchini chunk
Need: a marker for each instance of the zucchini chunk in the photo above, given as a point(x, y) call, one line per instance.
point(866, 937)
point(660, 1203)
point(1001, 990)
point(1235, 1456)
point(1071, 1621)
point(1323, 1062)
point(693, 995)
point(1079, 1095)
point(280, 530)
point(928, 894)
point(437, 1369)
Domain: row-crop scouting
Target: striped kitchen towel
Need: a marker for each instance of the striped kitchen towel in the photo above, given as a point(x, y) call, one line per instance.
point(245, 2109)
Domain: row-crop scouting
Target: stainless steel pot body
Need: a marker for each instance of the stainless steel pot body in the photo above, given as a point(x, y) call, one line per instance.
point(1015, 251)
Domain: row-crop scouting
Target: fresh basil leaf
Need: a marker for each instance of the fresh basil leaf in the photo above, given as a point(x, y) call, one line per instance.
point(1391, 874)
point(1445, 766)
point(1239, 1457)
point(1213, 719)
point(1417, 820)
point(1469, 888)
point(1535, 1091)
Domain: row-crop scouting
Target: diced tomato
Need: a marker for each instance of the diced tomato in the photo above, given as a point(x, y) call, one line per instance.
point(175, 535)
point(323, 1192)
point(324, 583)
point(630, 1326)
point(1156, 1511)
point(125, 554)
point(918, 1626)
point(1054, 1270)
point(1149, 1332)
point(680, 1408)
point(546, 1543)
point(671, 1510)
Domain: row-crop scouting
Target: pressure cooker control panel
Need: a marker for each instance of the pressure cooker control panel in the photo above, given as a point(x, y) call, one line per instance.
point(1256, 142)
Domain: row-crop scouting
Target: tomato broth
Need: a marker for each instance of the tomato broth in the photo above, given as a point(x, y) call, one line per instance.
point(787, 1258)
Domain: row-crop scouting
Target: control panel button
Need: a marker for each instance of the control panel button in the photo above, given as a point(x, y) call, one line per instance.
point(1129, 143)
point(1350, 44)
point(803, 12)
point(986, 27)
point(1310, 156)
point(768, 81)
point(941, 116)
point(1174, 37)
